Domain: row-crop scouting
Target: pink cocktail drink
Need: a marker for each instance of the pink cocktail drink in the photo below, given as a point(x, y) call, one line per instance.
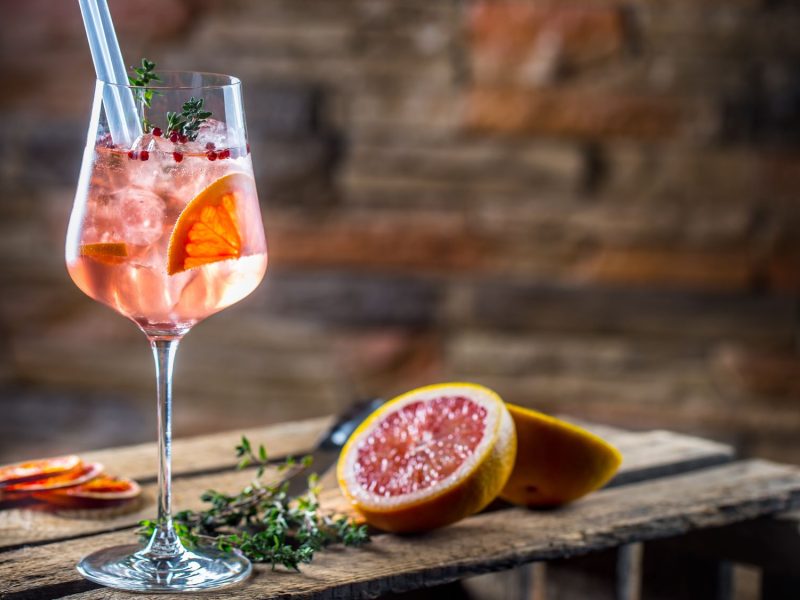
point(167, 230)
point(119, 249)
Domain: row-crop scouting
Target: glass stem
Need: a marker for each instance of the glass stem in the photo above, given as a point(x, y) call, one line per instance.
point(165, 542)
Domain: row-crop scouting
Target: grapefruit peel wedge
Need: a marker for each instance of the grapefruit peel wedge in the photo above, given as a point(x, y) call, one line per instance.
point(463, 488)
point(557, 462)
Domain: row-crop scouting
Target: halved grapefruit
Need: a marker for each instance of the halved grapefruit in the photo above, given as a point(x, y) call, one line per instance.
point(100, 492)
point(37, 469)
point(557, 462)
point(207, 230)
point(429, 457)
point(80, 474)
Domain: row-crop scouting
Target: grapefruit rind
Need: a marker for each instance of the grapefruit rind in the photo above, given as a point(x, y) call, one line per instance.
point(469, 489)
point(557, 462)
point(207, 229)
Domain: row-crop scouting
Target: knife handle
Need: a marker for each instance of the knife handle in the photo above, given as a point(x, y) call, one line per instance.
point(347, 422)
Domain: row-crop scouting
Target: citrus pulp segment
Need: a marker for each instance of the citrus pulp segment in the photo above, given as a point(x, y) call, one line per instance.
point(208, 229)
point(557, 462)
point(429, 457)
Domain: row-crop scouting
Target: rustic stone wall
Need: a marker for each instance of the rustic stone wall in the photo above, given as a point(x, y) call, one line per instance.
point(592, 206)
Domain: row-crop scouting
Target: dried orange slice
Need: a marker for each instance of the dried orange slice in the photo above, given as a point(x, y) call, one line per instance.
point(429, 457)
point(557, 462)
point(37, 469)
point(101, 491)
point(80, 474)
point(110, 252)
point(207, 230)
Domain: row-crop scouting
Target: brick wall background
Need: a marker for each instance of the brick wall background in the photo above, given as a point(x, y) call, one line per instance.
point(592, 206)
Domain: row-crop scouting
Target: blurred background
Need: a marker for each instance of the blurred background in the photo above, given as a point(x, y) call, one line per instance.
point(591, 206)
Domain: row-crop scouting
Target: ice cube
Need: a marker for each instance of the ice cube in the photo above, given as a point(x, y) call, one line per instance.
point(161, 145)
point(142, 142)
point(214, 132)
point(142, 215)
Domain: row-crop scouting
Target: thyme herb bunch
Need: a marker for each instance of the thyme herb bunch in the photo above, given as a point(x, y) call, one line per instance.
point(262, 520)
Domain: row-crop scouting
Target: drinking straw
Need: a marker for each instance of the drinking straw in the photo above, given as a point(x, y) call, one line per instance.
point(123, 119)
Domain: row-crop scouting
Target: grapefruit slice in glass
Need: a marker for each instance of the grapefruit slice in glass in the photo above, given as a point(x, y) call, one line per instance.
point(207, 230)
point(106, 252)
point(37, 469)
point(429, 458)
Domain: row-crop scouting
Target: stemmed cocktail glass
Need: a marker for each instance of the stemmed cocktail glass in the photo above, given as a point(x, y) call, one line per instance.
point(167, 231)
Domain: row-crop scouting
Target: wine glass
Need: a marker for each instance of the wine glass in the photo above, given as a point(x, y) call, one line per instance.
point(168, 232)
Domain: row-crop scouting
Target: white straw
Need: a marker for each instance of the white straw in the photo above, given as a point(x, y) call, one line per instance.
point(123, 120)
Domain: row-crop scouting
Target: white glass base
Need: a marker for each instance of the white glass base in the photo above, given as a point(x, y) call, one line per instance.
point(132, 568)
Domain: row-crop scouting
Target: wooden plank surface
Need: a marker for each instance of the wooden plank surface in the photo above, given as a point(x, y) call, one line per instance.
point(35, 525)
point(489, 541)
point(645, 455)
point(209, 453)
point(677, 453)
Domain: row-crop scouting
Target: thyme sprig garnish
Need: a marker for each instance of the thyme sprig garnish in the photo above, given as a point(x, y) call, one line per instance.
point(184, 124)
point(144, 76)
point(262, 520)
point(188, 122)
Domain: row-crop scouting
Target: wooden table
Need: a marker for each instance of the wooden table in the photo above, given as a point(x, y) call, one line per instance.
point(669, 486)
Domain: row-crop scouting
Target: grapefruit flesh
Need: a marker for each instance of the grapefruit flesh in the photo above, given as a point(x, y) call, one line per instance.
point(557, 462)
point(429, 458)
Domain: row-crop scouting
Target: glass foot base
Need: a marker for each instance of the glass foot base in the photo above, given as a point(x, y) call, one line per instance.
point(131, 568)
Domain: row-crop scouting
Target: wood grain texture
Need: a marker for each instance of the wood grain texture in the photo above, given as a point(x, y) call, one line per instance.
point(208, 453)
point(486, 542)
point(35, 524)
point(685, 454)
point(651, 454)
point(645, 456)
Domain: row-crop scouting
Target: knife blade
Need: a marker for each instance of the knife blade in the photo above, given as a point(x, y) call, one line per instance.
point(326, 451)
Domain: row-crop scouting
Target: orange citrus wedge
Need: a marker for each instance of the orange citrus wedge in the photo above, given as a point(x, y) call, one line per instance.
point(557, 462)
point(207, 230)
point(429, 457)
point(110, 252)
